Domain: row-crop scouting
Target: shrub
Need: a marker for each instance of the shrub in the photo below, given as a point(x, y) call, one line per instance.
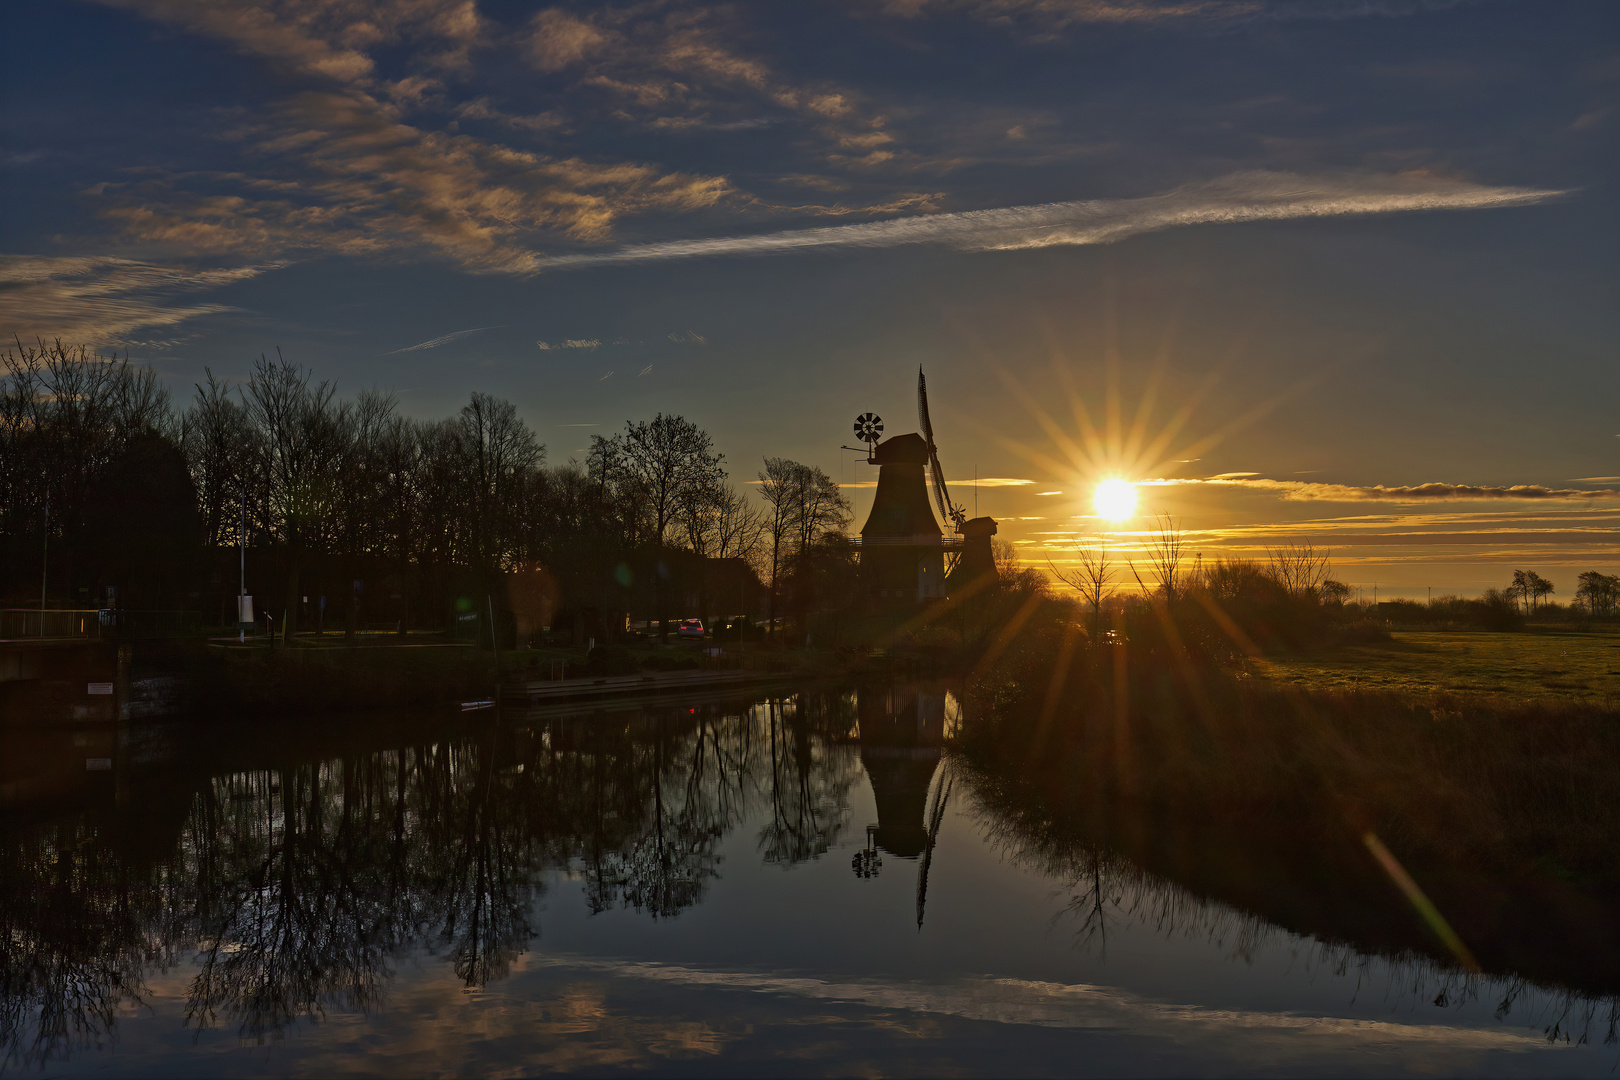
point(611, 660)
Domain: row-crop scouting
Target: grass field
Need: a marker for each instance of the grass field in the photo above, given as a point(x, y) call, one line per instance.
point(1545, 664)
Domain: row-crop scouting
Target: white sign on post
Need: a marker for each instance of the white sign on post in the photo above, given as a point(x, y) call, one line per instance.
point(244, 609)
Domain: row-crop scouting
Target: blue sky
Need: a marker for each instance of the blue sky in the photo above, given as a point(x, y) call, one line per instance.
point(1365, 245)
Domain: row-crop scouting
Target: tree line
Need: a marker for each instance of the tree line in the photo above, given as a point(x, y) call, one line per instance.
point(1291, 597)
point(105, 483)
point(1596, 593)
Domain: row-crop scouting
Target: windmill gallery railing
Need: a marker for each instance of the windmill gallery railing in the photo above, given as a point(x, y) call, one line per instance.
point(947, 543)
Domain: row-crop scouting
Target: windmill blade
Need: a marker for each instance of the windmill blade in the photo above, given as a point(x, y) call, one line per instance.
point(942, 496)
point(936, 817)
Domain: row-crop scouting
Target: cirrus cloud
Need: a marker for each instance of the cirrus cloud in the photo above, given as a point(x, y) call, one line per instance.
point(1238, 197)
point(1306, 491)
point(103, 300)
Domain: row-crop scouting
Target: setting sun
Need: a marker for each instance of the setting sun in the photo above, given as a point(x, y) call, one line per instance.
point(1115, 499)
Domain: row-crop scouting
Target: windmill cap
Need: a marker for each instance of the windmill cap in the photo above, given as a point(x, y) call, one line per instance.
point(901, 450)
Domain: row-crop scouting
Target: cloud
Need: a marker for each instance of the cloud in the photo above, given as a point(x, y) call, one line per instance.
point(570, 343)
point(101, 300)
point(330, 39)
point(1305, 491)
point(1059, 13)
point(338, 168)
point(1062, 12)
point(1239, 197)
point(343, 173)
point(673, 70)
point(1035, 1003)
point(436, 342)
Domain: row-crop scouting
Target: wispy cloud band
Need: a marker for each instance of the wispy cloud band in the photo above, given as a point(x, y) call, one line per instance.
point(1305, 491)
point(445, 340)
point(1238, 197)
point(102, 300)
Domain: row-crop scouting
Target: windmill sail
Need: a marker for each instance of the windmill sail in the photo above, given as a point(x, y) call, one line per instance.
point(942, 497)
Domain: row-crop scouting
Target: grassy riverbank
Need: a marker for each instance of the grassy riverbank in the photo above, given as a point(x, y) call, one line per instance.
point(386, 670)
point(1544, 664)
point(1433, 789)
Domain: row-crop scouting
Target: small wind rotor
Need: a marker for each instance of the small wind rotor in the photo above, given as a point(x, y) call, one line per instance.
point(869, 427)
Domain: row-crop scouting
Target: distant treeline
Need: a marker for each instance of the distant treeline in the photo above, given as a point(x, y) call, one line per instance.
point(1225, 606)
point(105, 483)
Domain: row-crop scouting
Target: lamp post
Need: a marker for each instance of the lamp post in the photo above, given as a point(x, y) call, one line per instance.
point(241, 549)
point(45, 562)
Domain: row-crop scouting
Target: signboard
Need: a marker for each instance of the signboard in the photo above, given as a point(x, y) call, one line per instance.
point(101, 688)
point(244, 609)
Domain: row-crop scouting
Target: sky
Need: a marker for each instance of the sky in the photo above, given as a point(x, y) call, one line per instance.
point(1337, 271)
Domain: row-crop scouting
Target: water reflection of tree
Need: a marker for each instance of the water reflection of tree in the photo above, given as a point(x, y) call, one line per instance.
point(808, 787)
point(485, 883)
point(666, 869)
point(1103, 887)
point(75, 944)
point(310, 878)
point(303, 912)
point(302, 882)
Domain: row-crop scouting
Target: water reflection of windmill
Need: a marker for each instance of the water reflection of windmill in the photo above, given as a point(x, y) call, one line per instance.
point(903, 548)
point(902, 729)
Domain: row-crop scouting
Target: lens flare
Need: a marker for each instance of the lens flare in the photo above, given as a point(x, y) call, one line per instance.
point(1115, 499)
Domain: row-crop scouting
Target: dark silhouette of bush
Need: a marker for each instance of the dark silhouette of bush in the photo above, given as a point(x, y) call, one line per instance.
point(1497, 611)
point(608, 660)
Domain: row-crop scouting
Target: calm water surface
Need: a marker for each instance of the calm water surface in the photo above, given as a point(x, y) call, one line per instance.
point(804, 884)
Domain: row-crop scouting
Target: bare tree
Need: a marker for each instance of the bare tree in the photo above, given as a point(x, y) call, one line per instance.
point(1540, 588)
point(218, 441)
point(1166, 557)
point(822, 513)
point(1300, 569)
point(822, 507)
point(738, 527)
point(672, 458)
point(303, 436)
point(65, 416)
point(1599, 593)
point(804, 505)
point(778, 485)
point(1090, 579)
point(500, 451)
point(697, 516)
point(1521, 588)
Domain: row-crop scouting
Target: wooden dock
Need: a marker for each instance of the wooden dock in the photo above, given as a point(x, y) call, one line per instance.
point(543, 691)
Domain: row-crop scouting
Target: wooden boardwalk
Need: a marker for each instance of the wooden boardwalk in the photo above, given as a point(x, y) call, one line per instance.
point(547, 690)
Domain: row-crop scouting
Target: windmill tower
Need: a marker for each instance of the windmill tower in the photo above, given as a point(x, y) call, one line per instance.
point(902, 544)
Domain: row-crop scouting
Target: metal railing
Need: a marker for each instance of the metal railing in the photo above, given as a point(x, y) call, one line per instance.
point(90, 624)
point(22, 623)
point(947, 543)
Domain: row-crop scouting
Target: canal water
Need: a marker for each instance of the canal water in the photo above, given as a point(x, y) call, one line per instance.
point(797, 884)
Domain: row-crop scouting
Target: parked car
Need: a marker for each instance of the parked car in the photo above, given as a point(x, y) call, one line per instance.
point(692, 628)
